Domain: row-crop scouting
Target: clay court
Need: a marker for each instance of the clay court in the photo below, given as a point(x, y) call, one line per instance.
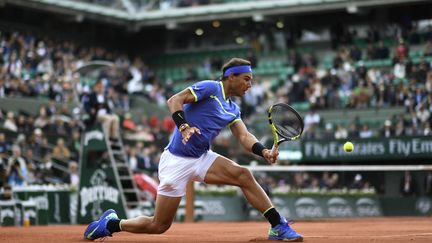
point(348, 230)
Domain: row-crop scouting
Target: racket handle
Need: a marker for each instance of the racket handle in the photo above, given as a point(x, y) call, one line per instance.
point(275, 147)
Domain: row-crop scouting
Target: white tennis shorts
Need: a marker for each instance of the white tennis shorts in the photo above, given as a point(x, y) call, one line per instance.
point(175, 172)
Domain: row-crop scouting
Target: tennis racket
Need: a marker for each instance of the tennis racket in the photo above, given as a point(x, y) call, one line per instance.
point(285, 122)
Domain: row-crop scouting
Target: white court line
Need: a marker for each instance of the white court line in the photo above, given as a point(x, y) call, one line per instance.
point(369, 236)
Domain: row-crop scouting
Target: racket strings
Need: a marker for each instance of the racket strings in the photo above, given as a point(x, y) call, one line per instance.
point(286, 122)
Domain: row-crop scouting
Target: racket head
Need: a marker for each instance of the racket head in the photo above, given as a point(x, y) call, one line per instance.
point(286, 122)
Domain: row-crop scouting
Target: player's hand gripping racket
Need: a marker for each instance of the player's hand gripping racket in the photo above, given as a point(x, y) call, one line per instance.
point(285, 122)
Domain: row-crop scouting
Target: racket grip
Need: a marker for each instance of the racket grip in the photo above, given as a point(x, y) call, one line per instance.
point(275, 147)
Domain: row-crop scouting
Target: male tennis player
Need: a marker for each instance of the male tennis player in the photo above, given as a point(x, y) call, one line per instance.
point(201, 112)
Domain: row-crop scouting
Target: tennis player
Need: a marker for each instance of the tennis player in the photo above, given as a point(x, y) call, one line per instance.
point(200, 112)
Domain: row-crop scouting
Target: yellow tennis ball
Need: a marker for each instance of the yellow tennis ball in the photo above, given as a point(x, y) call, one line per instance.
point(348, 147)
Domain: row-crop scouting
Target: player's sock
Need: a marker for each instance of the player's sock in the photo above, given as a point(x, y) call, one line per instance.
point(113, 225)
point(272, 216)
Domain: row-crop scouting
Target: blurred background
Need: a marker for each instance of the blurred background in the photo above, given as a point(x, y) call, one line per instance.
point(357, 70)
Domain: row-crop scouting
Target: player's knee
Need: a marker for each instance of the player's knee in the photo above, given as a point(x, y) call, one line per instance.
point(244, 176)
point(160, 228)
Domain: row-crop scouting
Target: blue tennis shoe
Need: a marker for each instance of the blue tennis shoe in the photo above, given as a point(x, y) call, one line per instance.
point(97, 229)
point(284, 232)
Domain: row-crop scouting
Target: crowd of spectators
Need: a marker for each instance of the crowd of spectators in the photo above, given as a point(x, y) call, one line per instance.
point(404, 80)
point(41, 67)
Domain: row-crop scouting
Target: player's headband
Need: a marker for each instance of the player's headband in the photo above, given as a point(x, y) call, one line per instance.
point(238, 69)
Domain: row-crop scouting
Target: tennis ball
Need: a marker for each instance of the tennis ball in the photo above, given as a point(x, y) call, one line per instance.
point(348, 147)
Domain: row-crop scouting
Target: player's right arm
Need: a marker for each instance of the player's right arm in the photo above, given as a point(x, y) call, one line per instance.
point(175, 105)
point(177, 101)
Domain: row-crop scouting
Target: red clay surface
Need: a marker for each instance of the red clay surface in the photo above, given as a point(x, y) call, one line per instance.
point(418, 230)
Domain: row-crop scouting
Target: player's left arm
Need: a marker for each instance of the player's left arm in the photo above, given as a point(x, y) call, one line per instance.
point(247, 140)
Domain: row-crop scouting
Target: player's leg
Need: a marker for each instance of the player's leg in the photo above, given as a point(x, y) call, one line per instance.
point(165, 212)
point(109, 222)
point(173, 179)
point(226, 171)
point(174, 173)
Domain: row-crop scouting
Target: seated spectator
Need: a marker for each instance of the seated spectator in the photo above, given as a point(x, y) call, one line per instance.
point(38, 143)
point(328, 132)
point(30, 158)
point(133, 158)
point(354, 131)
point(60, 151)
point(22, 123)
point(143, 131)
point(42, 119)
point(341, 132)
point(329, 181)
point(51, 108)
point(59, 126)
point(148, 157)
point(366, 132)
point(311, 119)
point(387, 130)
point(10, 123)
point(128, 124)
point(72, 177)
point(414, 130)
point(100, 109)
point(423, 114)
point(302, 180)
point(31, 173)
point(357, 182)
point(46, 174)
point(16, 171)
point(399, 129)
